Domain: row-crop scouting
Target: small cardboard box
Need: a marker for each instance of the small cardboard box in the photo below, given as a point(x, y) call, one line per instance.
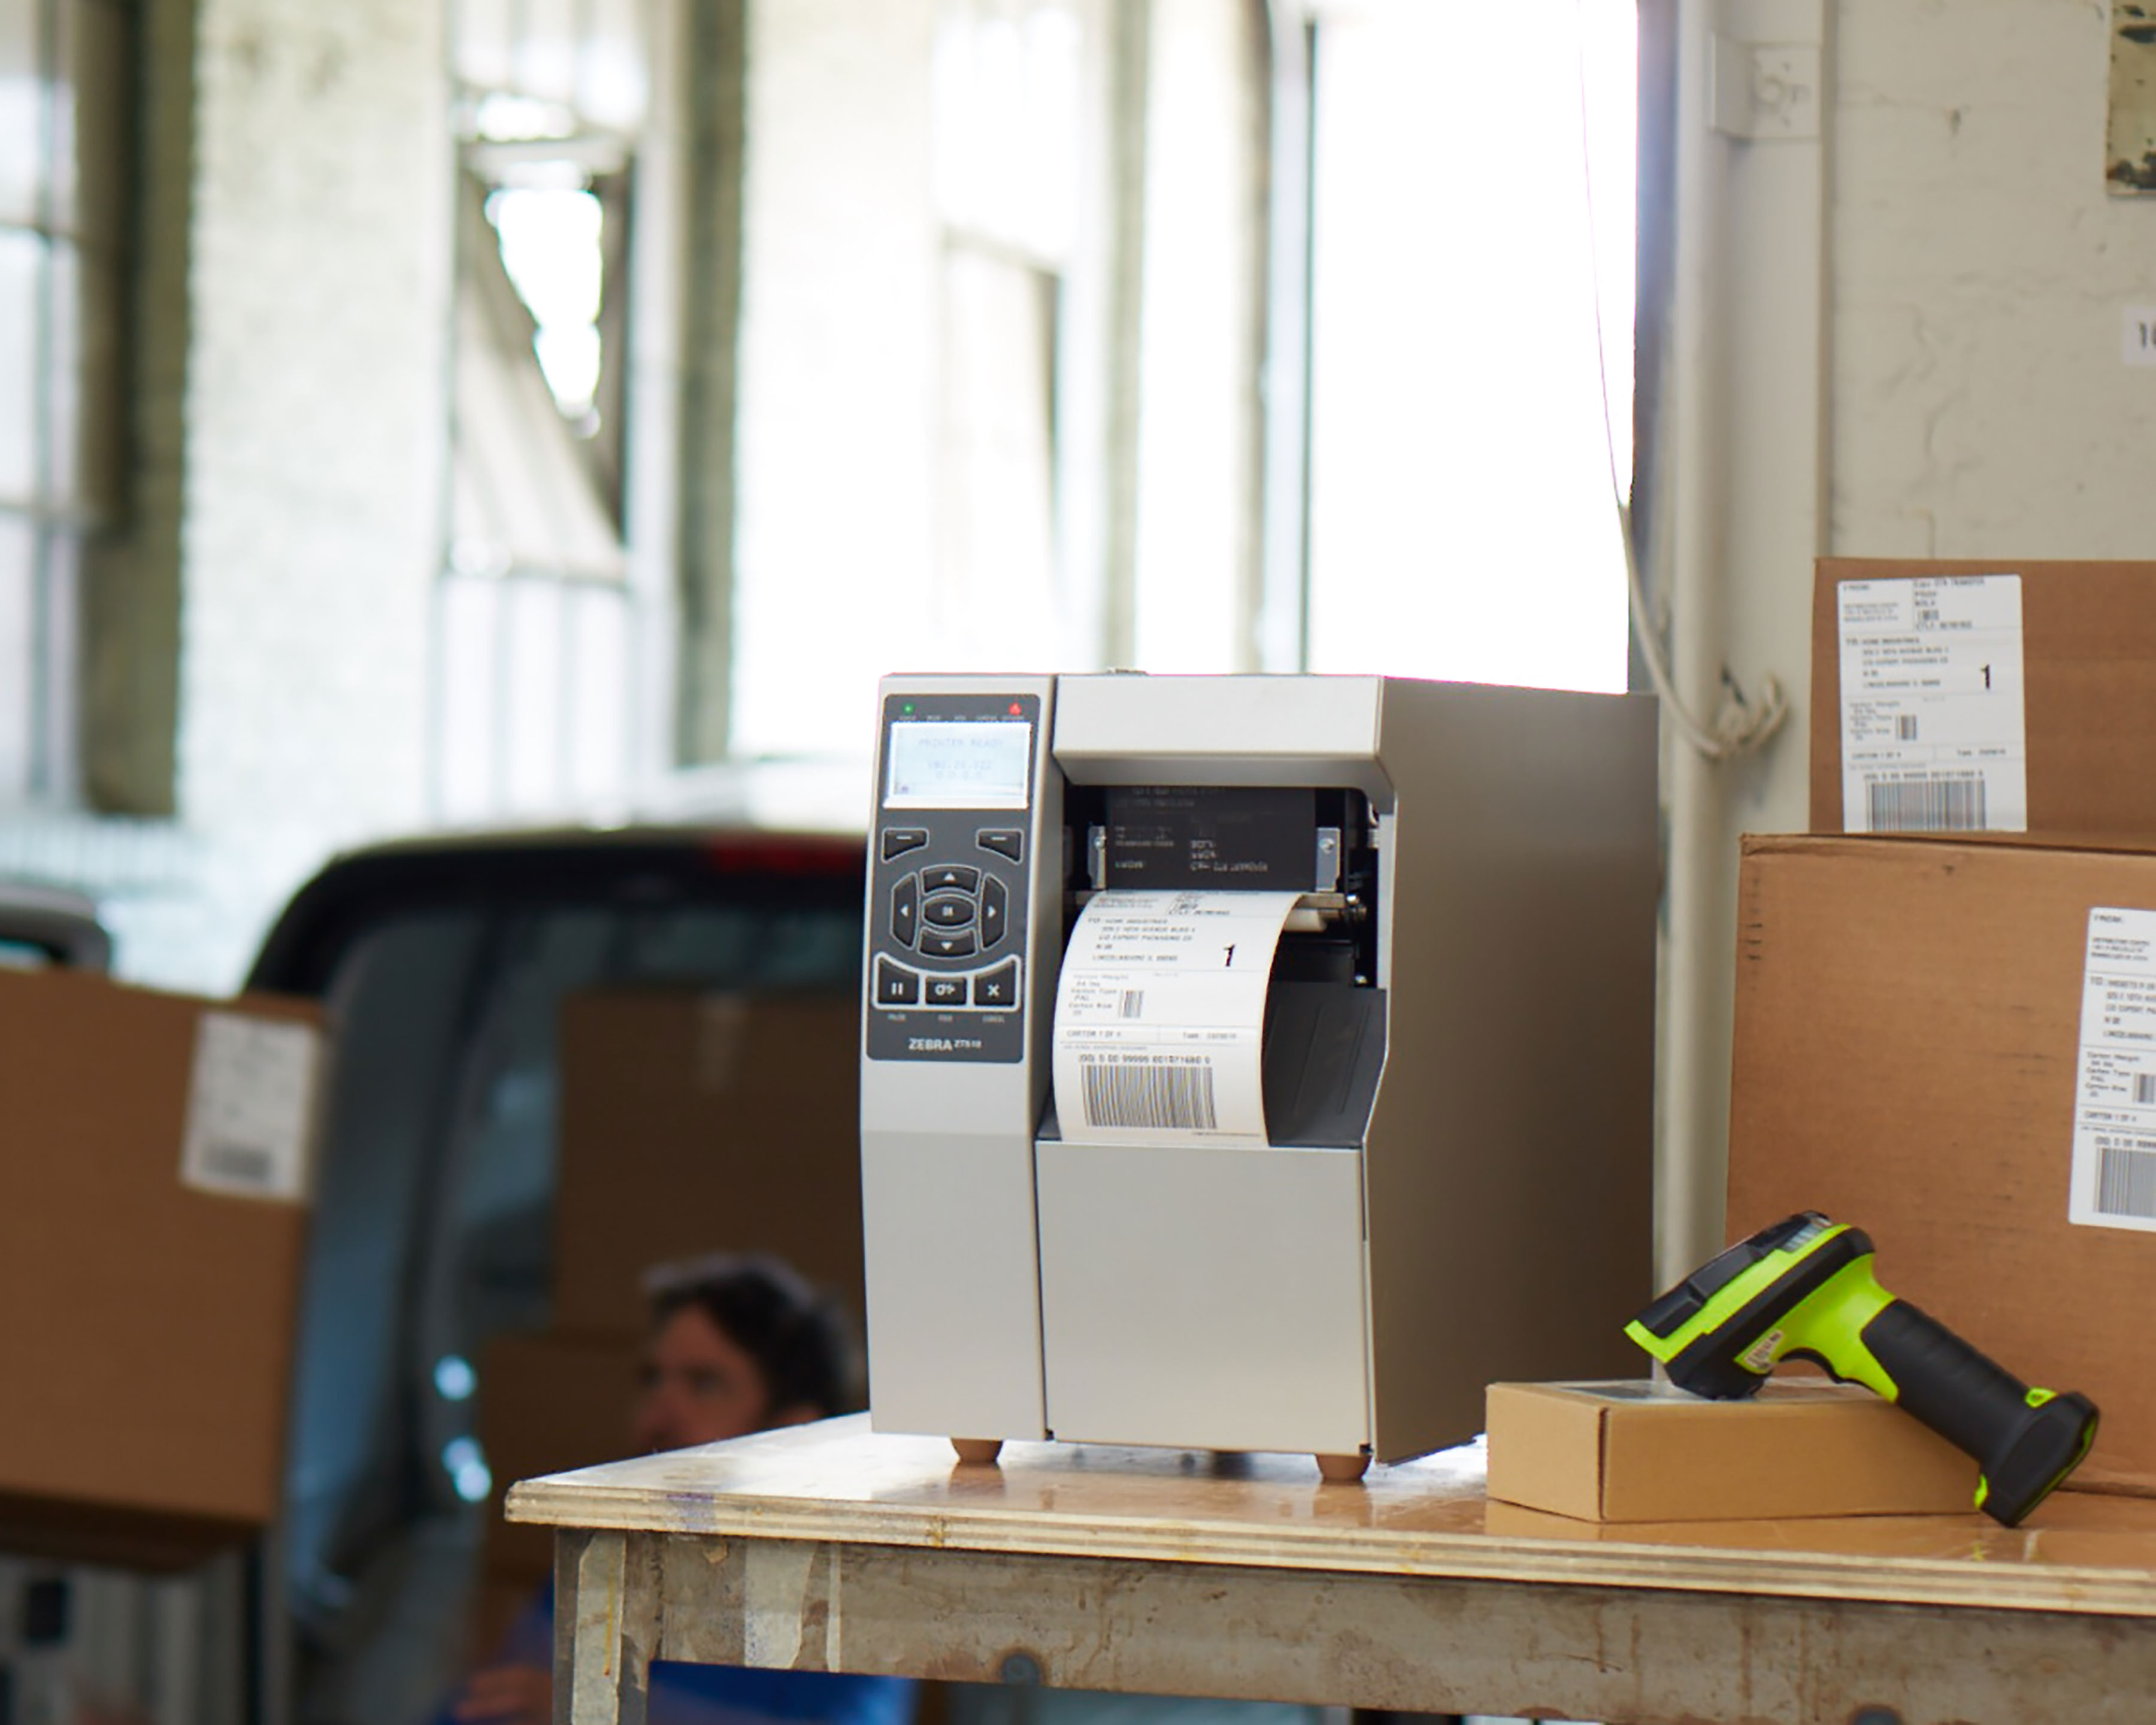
point(1644, 1452)
point(547, 1403)
point(154, 1165)
point(2087, 697)
point(1909, 1058)
point(695, 1122)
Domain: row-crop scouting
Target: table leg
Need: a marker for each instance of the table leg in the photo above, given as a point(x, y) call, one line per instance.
point(606, 1615)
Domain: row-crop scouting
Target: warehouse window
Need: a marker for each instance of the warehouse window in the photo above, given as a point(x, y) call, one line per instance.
point(66, 68)
point(1006, 102)
point(538, 617)
point(1472, 222)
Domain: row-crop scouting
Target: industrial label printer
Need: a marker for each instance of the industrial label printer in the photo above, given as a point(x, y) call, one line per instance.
point(1252, 1062)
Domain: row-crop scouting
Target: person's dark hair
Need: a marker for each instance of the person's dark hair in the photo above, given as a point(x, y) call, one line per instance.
point(795, 1331)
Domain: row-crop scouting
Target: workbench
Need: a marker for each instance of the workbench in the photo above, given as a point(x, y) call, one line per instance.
point(830, 1547)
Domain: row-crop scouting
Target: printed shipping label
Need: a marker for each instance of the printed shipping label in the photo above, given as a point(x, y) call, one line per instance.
point(1160, 1015)
point(1933, 737)
point(2114, 1171)
point(251, 1107)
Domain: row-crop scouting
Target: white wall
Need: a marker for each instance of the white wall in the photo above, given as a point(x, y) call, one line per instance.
point(1981, 406)
point(315, 414)
point(1899, 335)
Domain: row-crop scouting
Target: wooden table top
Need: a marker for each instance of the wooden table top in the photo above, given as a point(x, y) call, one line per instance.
point(837, 1480)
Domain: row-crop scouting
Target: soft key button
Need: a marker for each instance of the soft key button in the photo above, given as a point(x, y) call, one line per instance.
point(1003, 841)
point(897, 841)
point(905, 910)
point(896, 986)
point(948, 910)
point(997, 987)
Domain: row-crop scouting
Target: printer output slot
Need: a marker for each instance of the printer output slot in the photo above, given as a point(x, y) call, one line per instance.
point(1314, 912)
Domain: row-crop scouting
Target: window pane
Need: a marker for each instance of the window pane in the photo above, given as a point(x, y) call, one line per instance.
point(533, 709)
point(598, 645)
point(613, 76)
point(468, 699)
point(1461, 521)
point(547, 50)
point(996, 587)
point(482, 38)
point(64, 377)
point(22, 278)
point(18, 680)
point(22, 114)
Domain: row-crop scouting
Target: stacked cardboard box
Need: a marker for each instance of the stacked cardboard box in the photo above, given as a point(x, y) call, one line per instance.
point(1942, 1043)
point(1941, 1038)
point(155, 1170)
point(690, 1123)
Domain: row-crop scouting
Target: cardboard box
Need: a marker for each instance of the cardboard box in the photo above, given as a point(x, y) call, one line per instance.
point(155, 1161)
point(697, 1122)
point(2088, 652)
point(1909, 1018)
point(1644, 1452)
point(547, 1403)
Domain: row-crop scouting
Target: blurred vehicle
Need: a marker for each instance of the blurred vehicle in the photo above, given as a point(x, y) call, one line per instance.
point(443, 962)
point(42, 925)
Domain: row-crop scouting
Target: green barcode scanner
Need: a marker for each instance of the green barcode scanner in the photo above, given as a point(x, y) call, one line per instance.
point(1804, 1288)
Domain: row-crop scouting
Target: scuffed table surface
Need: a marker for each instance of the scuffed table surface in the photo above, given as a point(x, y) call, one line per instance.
point(838, 1481)
point(830, 1547)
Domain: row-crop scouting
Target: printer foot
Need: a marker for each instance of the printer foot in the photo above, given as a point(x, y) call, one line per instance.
point(1342, 1470)
point(977, 1452)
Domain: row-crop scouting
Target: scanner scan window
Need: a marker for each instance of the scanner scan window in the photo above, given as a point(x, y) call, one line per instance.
point(959, 763)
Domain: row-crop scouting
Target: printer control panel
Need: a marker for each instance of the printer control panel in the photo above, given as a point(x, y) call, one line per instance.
point(951, 859)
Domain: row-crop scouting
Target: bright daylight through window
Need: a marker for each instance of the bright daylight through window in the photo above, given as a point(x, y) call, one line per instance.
point(1461, 521)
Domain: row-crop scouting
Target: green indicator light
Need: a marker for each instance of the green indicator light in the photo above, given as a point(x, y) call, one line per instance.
point(906, 709)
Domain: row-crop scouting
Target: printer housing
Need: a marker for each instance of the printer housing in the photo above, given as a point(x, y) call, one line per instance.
point(1457, 1059)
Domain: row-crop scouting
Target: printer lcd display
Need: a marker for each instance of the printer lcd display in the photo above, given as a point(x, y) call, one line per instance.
point(959, 763)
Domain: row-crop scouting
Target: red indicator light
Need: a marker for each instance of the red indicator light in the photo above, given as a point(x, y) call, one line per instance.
point(1017, 710)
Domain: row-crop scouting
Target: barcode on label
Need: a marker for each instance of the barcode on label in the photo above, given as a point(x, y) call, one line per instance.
point(1925, 806)
point(2144, 1089)
point(1133, 1004)
point(237, 1164)
point(1905, 727)
point(1172, 1095)
point(2126, 1183)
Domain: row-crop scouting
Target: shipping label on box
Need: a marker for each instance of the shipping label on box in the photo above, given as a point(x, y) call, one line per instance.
point(1968, 696)
point(1933, 733)
point(251, 1107)
point(1953, 1048)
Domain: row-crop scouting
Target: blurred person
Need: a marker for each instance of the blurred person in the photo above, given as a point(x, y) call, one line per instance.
point(735, 1345)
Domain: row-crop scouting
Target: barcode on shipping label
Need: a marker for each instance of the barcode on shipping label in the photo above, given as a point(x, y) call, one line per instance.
point(1168, 1095)
point(1944, 805)
point(251, 1115)
point(2126, 1184)
point(2113, 1180)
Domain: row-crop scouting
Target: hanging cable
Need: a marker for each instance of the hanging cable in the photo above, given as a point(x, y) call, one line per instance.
point(1737, 728)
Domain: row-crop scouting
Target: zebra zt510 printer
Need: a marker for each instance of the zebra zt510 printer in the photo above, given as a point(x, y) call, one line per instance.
point(1252, 1062)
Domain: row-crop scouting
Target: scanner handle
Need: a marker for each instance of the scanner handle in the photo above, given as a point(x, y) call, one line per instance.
point(2025, 1440)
